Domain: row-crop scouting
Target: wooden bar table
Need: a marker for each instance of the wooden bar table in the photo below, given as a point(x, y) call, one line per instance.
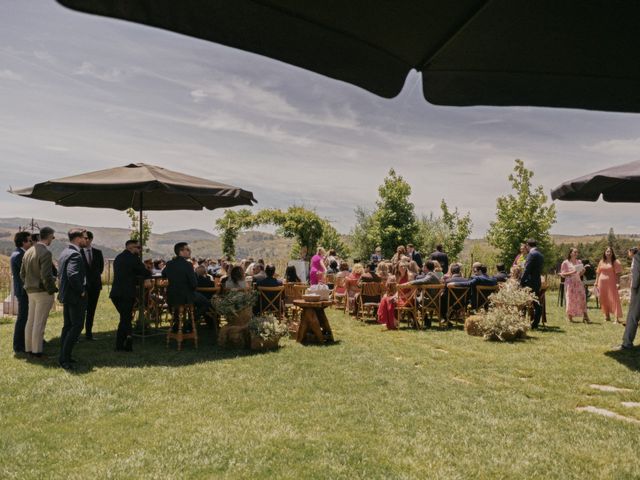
point(313, 318)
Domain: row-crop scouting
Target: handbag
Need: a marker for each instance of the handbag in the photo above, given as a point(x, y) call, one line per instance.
point(596, 291)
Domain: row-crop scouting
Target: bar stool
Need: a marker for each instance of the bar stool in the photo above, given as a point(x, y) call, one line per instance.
point(183, 314)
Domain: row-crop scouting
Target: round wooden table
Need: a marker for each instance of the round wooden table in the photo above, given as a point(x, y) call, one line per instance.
point(313, 318)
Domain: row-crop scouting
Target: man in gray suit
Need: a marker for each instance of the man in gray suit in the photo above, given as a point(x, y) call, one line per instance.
point(634, 306)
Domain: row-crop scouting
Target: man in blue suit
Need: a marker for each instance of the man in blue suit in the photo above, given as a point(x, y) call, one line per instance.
point(22, 241)
point(72, 294)
point(128, 269)
point(532, 277)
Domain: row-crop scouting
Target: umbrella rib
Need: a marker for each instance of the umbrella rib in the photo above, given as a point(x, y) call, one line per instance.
point(451, 36)
point(197, 201)
point(332, 29)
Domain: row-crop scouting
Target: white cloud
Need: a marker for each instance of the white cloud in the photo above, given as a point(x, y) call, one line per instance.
point(628, 146)
point(10, 75)
point(104, 74)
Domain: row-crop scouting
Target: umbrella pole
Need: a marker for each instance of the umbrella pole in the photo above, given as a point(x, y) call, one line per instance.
point(141, 296)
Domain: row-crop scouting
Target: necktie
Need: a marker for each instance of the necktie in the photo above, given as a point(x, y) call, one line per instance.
point(88, 250)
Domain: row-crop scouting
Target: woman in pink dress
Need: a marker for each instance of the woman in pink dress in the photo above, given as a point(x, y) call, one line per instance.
point(317, 266)
point(387, 307)
point(607, 281)
point(575, 295)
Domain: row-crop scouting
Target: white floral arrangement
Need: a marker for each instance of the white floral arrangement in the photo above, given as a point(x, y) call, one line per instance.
point(268, 327)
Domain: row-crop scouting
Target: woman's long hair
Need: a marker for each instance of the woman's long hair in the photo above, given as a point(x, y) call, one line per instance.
point(613, 255)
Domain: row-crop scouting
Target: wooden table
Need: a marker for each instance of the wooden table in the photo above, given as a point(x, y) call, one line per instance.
point(313, 318)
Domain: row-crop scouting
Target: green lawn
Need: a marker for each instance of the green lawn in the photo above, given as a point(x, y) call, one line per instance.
point(407, 404)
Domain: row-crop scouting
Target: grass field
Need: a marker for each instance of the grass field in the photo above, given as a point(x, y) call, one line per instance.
point(407, 404)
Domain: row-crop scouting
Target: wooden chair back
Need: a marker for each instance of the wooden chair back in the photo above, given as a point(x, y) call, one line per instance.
point(431, 297)
point(482, 295)
point(339, 293)
point(407, 303)
point(457, 301)
point(293, 291)
point(271, 300)
point(369, 298)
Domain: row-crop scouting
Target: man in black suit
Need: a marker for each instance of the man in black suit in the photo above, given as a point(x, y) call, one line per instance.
point(532, 277)
point(72, 294)
point(441, 257)
point(414, 255)
point(183, 283)
point(22, 241)
point(128, 270)
point(94, 264)
point(501, 275)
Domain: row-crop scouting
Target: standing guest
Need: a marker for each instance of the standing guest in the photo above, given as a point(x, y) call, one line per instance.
point(37, 275)
point(441, 257)
point(376, 256)
point(532, 277)
point(183, 283)
point(73, 293)
point(414, 255)
point(607, 282)
point(631, 327)
point(22, 241)
point(291, 275)
point(317, 266)
point(501, 275)
point(575, 296)
point(128, 270)
point(521, 257)
point(94, 265)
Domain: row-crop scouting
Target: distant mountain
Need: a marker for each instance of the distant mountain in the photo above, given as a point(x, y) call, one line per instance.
point(111, 241)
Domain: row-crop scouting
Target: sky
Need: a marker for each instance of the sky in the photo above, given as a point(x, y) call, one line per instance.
point(81, 93)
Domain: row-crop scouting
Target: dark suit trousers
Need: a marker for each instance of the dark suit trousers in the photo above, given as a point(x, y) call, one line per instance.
point(21, 323)
point(125, 309)
point(537, 311)
point(73, 314)
point(92, 302)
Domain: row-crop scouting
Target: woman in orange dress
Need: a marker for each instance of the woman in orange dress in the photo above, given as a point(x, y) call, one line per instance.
point(607, 281)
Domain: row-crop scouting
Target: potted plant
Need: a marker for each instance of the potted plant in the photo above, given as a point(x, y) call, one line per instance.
point(236, 306)
point(266, 331)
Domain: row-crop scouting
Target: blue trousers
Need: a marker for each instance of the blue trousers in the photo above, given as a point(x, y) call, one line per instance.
point(73, 314)
point(21, 323)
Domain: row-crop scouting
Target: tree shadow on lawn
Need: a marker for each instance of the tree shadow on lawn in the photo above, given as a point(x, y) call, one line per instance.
point(629, 358)
point(152, 353)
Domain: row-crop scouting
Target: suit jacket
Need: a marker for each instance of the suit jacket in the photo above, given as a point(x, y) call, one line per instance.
point(634, 301)
point(94, 269)
point(269, 282)
point(37, 270)
point(416, 257)
point(16, 265)
point(533, 271)
point(456, 279)
point(501, 277)
point(128, 269)
point(73, 276)
point(429, 278)
point(182, 282)
point(442, 259)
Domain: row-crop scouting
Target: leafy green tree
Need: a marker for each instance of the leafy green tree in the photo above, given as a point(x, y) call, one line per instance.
point(364, 235)
point(395, 216)
point(135, 227)
point(231, 223)
point(521, 215)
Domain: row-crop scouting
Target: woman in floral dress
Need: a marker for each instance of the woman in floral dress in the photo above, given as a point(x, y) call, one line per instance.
point(607, 280)
point(575, 295)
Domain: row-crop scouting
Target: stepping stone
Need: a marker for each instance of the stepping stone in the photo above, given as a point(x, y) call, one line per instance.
point(607, 413)
point(609, 388)
point(631, 404)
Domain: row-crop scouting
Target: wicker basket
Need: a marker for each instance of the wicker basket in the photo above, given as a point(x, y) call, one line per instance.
point(259, 344)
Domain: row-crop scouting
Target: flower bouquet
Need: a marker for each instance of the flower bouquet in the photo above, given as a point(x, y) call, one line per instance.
point(236, 306)
point(266, 332)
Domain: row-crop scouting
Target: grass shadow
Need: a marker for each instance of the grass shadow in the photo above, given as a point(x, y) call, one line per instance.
point(629, 358)
point(551, 329)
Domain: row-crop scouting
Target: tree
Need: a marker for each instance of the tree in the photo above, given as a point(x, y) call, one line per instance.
point(231, 223)
point(521, 215)
point(395, 216)
point(364, 235)
point(450, 230)
point(135, 227)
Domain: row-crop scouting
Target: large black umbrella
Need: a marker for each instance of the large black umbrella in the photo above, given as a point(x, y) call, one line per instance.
point(554, 53)
point(615, 184)
point(141, 187)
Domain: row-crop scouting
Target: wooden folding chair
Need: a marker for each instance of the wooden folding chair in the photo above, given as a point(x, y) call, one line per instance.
point(369, 299)
point(271, 300)
point(482, 295)
point(292, 291)
point(211, 313)
point(407, 304)
point(340, 299)
point(184, 317)
point(457, 302)
point(430, 302)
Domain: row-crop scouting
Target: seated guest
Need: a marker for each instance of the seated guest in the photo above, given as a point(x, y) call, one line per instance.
point(429, 277)
point(387, 307)
point(258, 272)
point(204, 281)
point(515, 274)
point(148, 264)
point(370, 276)
point(235, 279)
point(414, 268)
point(479, 279)
point(437, 269)
point(248, 265)
point(382, 271)
point(269, 280)
point(212, 267)
point(291, 275)
point(455, 277)
point(158, 266)
point(352, 284)
point(501, 275)
point(376, 256)
point(183, 283)
point(333, 267)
